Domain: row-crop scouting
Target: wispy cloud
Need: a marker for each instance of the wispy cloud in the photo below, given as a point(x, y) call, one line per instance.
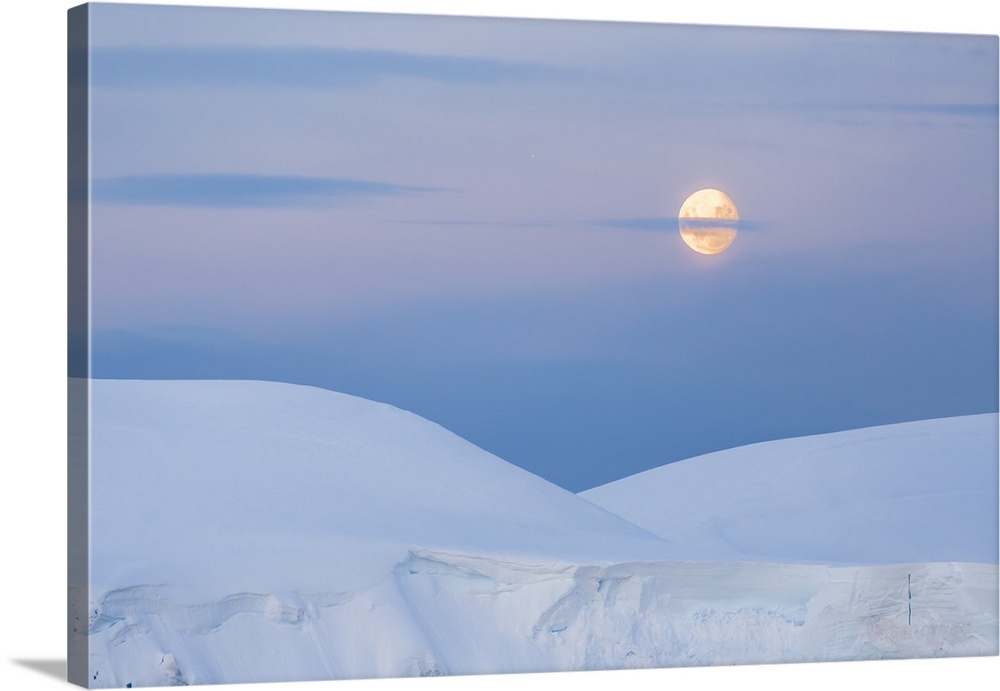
point(944, 112)
point(296, 67)
point(642, 223)
point(671, 223)
point(981, 110)
point(239, 190)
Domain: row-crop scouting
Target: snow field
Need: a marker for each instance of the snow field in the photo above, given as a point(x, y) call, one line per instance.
point(254, 531)
point(921, 491)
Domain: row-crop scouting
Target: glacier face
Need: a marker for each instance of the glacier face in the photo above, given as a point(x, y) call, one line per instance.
point(447, 614)
point(253, 531)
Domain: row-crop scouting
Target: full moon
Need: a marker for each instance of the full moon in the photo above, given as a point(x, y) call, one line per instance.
point(707, 221)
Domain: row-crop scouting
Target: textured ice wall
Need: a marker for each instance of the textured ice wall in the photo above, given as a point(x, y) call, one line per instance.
point(441, 614)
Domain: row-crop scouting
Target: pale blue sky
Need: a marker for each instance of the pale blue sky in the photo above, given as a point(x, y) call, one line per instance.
point(473, 219)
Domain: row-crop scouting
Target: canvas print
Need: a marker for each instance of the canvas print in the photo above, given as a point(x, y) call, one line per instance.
point(411, 346)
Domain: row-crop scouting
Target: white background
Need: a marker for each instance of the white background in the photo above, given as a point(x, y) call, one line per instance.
point(32, 271)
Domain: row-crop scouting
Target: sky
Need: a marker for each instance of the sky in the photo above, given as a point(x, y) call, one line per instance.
point(475, 220)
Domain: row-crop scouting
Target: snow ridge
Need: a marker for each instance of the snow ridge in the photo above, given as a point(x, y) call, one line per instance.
point(921, 491)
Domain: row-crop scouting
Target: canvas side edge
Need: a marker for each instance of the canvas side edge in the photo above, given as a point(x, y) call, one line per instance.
point(78, 343)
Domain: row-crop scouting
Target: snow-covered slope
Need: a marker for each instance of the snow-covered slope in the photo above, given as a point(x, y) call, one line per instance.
point(915, 492)
point(249, 531)
point(276, 485)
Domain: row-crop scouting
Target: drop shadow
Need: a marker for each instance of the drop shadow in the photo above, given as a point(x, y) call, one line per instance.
point(50, 667)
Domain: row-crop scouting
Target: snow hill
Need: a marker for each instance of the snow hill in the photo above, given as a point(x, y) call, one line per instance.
point(265, 480)
point(915, 492)
point(252, 531)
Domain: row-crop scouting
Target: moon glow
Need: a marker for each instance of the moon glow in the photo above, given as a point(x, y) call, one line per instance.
point(707, 221)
